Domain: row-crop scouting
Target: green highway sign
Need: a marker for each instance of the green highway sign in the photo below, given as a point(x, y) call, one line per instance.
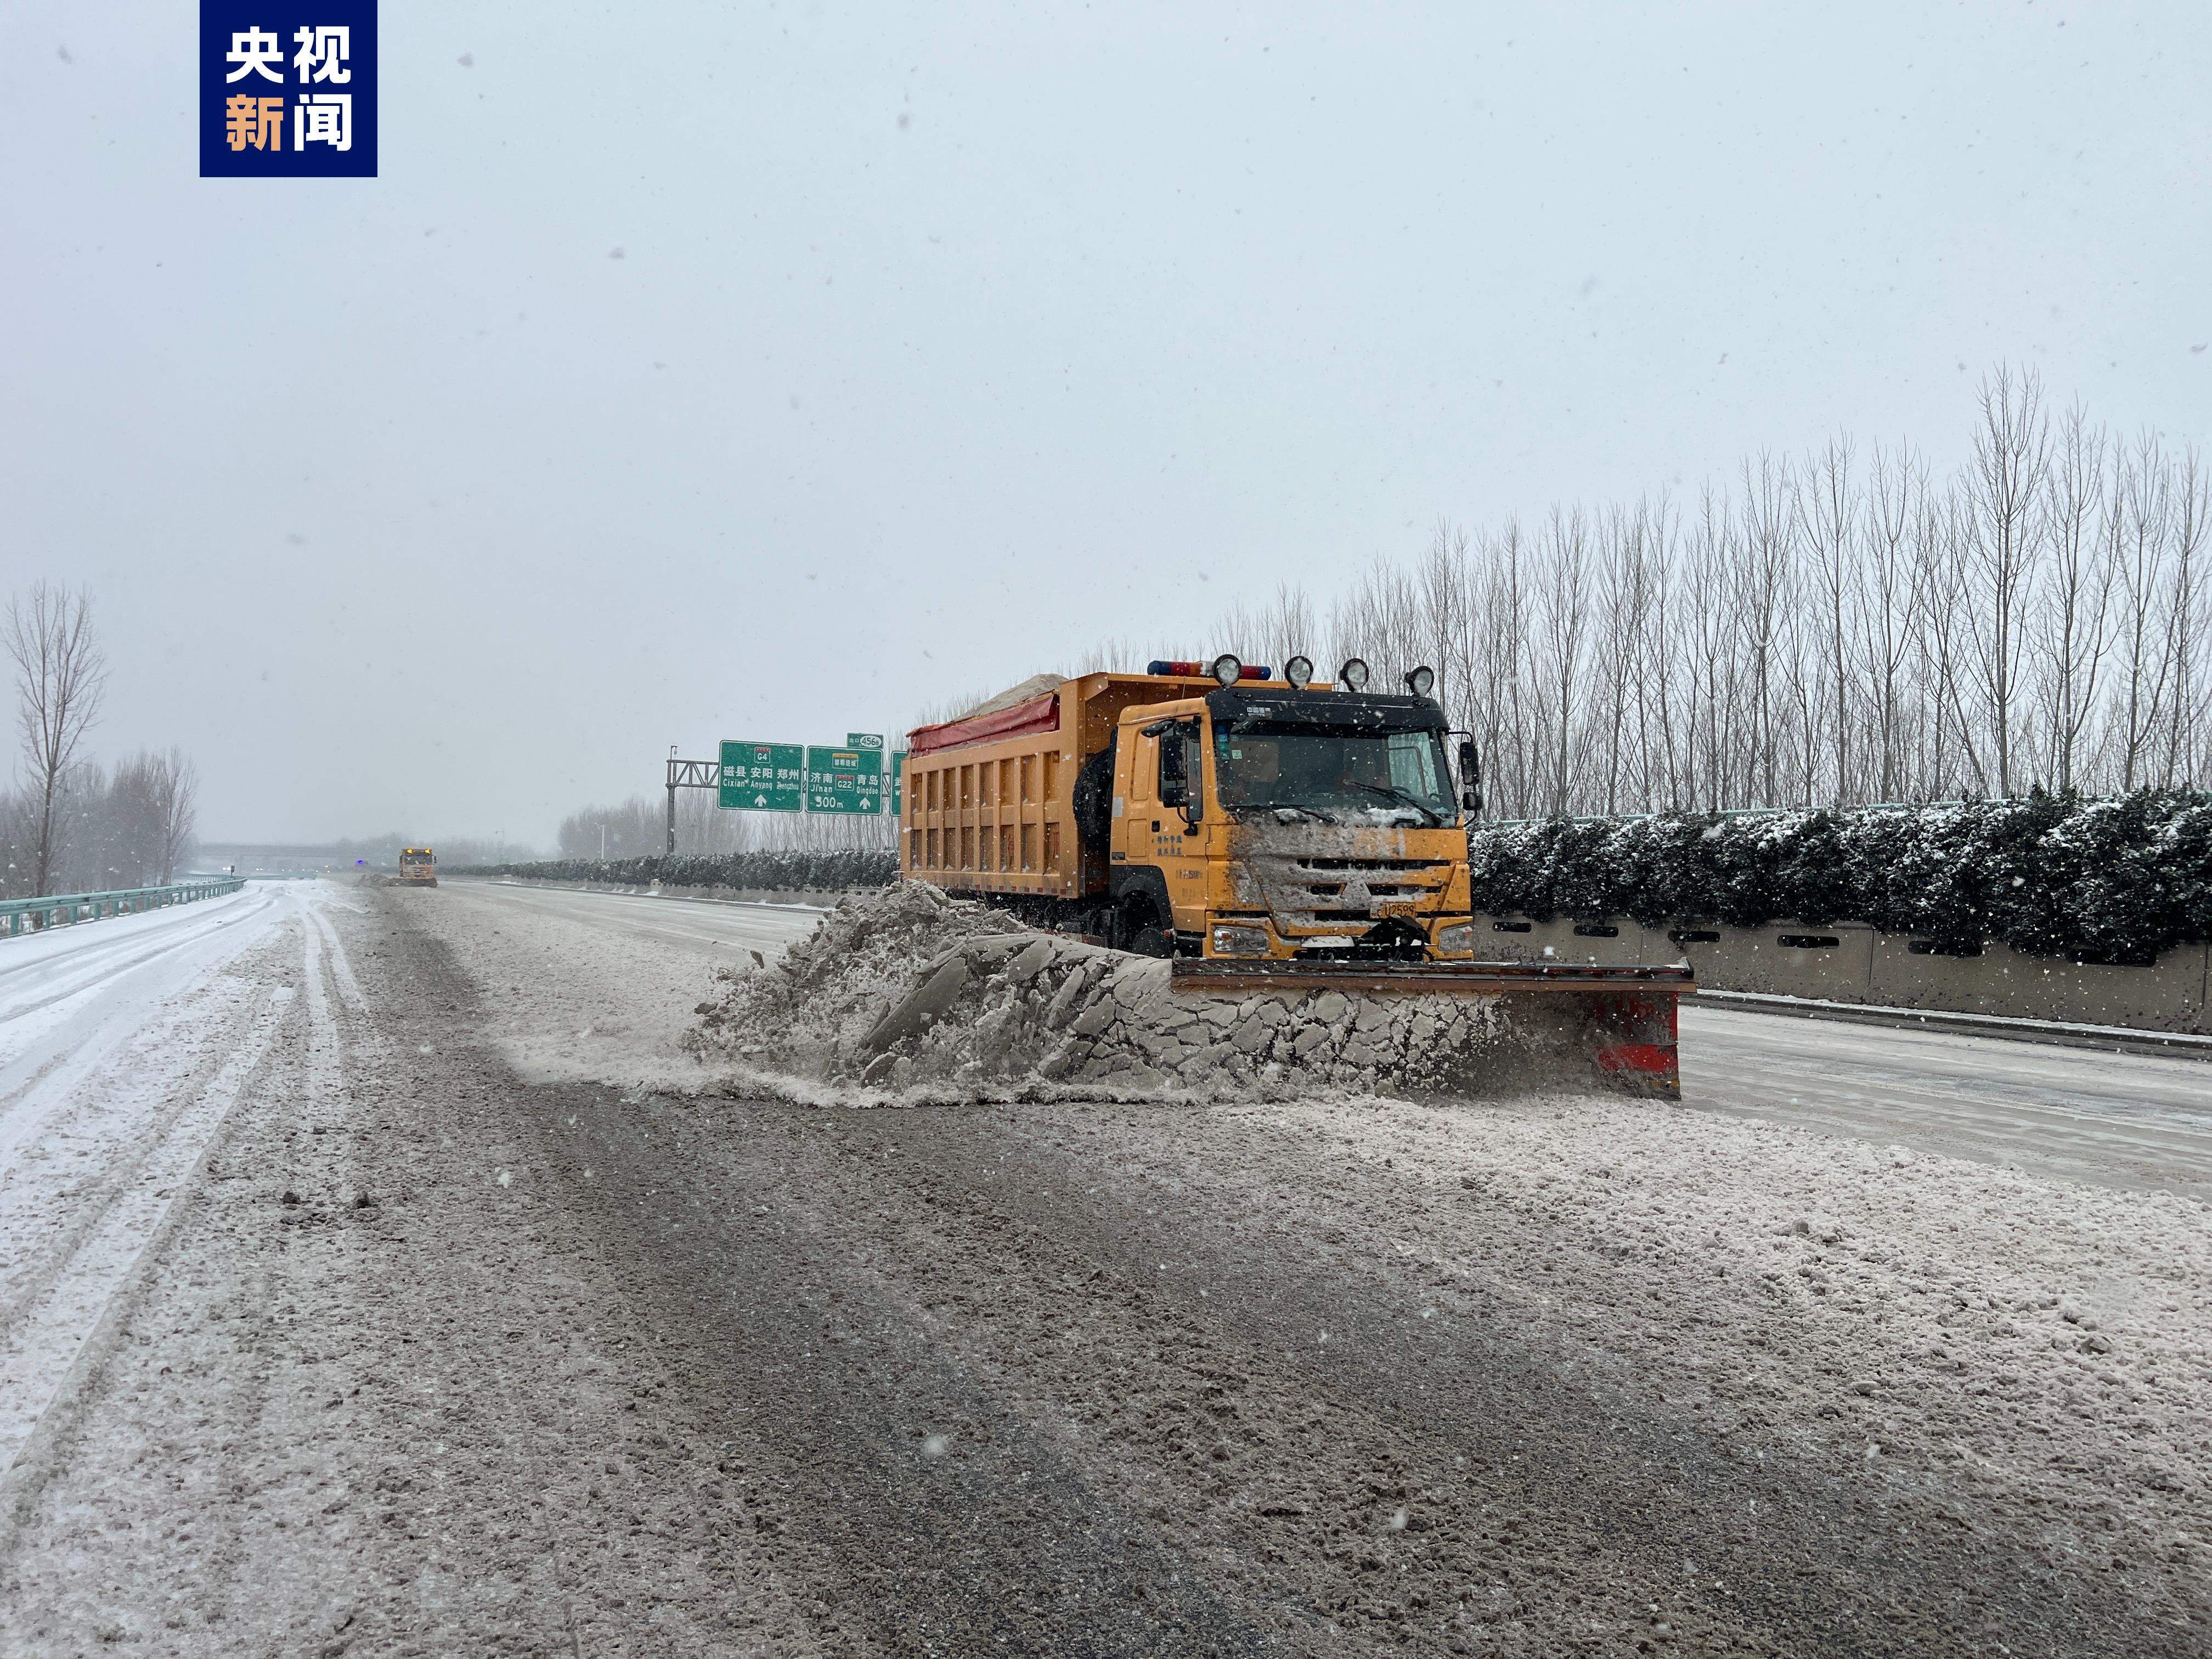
point(864, 740)
point(898, 783)
point(849, 780)
point(762, 777)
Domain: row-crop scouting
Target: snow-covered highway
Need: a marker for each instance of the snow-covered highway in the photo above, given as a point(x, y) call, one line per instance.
point(122, 1044)
point(2140, 1121)
point(378, 1274)
point(2118, 1119)
point(719, 928)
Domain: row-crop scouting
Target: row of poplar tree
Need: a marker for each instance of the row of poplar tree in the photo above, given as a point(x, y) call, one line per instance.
point(1842, 627)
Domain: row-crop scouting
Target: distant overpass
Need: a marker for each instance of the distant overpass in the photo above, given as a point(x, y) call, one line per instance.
point(279, 858)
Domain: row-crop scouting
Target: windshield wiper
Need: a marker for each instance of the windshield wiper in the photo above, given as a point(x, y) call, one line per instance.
point(1390, 791)
point(1289, 807)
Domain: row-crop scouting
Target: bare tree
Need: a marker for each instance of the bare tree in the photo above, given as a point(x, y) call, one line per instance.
point(1800, 732)
point(60, 676)
point(1764, 572)
point(1824, 631)
point(1656, 715)
point(1563, 611)
point(1282, 628)
point(1951, 755)
point(1624, 597)
point(1270, 632)
point(1443, 640)
point(1828, 516)
point(2004, 487)
point(1499, 672)
point(1380, 622)
point(1894, 592)
point(2071, 633)
point(174, 789)
point(1706, 660)
point(2191, 496)
point(2143, 527)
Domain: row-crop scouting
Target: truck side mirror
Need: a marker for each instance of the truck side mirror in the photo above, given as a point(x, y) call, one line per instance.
point(1470, 776)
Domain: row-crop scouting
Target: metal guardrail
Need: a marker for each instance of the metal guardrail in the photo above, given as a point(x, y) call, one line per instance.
point(63, 910)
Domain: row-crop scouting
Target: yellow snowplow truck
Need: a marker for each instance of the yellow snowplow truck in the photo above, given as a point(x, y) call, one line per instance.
point(1272, 835)
point(418, 867)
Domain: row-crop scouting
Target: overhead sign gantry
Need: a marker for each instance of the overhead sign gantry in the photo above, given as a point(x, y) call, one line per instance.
point(843, 780)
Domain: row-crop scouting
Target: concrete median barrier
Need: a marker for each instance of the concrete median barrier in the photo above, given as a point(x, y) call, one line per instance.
point(1849, 962)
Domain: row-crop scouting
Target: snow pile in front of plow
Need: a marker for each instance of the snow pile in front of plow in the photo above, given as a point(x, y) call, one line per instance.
point(910, 991)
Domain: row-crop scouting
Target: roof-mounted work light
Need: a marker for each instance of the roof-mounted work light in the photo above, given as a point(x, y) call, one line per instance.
point(1421, 681)
point(1353, 677)
point(1226, 670)
point(1298, 670)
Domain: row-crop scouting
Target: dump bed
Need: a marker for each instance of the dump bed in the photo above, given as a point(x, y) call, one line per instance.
point(991, 798)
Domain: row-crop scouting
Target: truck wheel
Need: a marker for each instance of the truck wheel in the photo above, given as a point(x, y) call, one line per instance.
point(1138, 928)
point(1091, 801)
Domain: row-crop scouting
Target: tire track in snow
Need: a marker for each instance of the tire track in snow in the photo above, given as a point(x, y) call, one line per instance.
point(323, 1078)
point(271, 1551)
point(37, 1085)
point(28, 1277)
point(67, 974)
point(56, 1342)
point(341, 974)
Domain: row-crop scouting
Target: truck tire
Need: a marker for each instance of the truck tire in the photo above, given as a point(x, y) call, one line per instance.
point(1092, 800)
point(1140, 929)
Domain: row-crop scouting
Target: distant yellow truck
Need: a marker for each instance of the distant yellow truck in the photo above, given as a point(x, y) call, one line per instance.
point(418, 867)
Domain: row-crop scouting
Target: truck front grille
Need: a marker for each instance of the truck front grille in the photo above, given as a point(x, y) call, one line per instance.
point(1377, 866)
point(1309, 894)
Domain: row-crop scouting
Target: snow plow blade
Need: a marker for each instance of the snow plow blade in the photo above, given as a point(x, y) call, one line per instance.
point(1620, 1016)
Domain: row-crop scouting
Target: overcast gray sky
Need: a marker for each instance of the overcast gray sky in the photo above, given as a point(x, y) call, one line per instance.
point(768, 371)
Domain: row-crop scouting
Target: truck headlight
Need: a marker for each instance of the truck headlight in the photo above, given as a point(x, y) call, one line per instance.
point(1457, 940)
point(1241, 941)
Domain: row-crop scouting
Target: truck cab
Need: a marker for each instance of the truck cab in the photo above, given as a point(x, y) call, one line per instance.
point(1262, 820)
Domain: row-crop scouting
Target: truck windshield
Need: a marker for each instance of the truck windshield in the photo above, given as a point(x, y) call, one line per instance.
point(1340, 777)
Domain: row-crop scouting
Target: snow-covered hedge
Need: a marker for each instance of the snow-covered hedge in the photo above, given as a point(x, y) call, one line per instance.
point(2054, 875)
point(779, 871)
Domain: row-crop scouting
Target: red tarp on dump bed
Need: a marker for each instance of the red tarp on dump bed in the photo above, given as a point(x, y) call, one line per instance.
point(1037, 714)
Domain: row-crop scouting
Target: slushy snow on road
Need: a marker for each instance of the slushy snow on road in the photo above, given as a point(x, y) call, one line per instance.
point(123, 1044)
